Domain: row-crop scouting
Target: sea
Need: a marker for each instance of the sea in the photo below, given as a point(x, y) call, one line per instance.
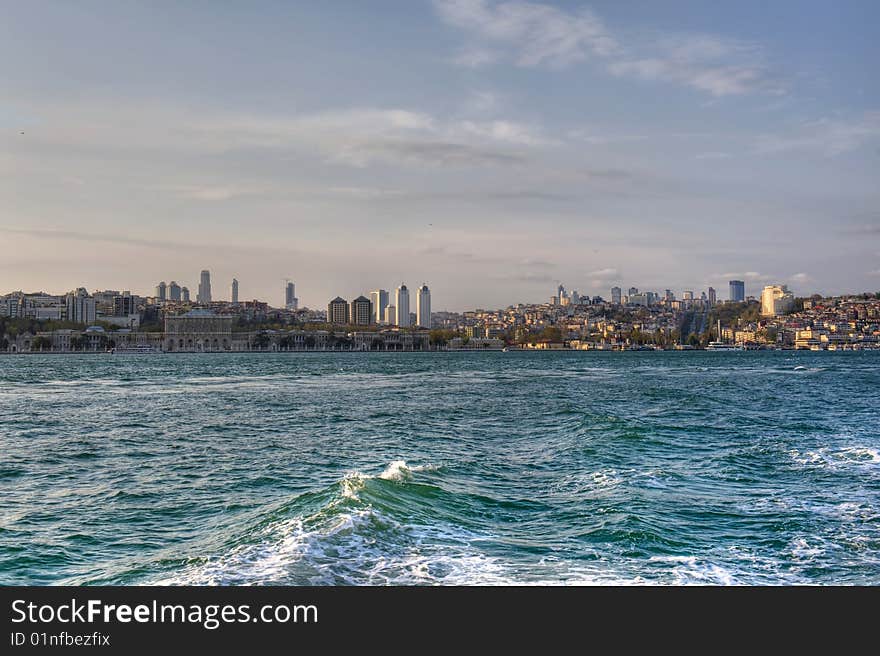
point(467, 468)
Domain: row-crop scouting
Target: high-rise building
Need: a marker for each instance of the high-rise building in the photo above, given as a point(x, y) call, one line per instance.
point(337, 311)
point(80, 306)
point(184, 294)
point(737, 291)
point(379, 299)
point(361, 311)
point(204, 294)
point(161, 292)
point(423, 306)
point(776, 300)
point(633, 291)
point(390, 315)
point(401, 301)
point(669, 296)
point(687, 295)
point(615, 295)
point(290, 300)
point(234, 290)
point(713, 296)
point(560, 293)
point(174, 292)
point(124, 304)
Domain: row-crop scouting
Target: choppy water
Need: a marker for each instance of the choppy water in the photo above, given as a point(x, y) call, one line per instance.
point(468, 468)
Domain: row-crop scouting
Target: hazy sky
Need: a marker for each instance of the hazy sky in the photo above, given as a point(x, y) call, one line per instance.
point(487, 148)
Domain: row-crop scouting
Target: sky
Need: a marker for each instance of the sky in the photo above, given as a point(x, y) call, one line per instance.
point(489, 149)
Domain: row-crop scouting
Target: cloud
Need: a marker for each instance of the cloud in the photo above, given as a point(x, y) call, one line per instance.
point(532, 34)
point(800, 277)
point(424, 152)
point(604, 274)
point(827, 136)
point(535, 34)
point(753, 276)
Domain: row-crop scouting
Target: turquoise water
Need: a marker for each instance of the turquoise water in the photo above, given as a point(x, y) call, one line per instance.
point(440, 468)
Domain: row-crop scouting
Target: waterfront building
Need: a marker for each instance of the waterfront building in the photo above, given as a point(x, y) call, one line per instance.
point(234, 291)
point(379, 298)
point(361, 311)
point(204, 294)
point(776, 300)
point(423, 306)
point(737, 291)
point(161, 292)
point(615, 295)
point(80, 307)
point(390, 315)
point(199, 330)
point(337, 311)
point(174, 292)
point(401, 301)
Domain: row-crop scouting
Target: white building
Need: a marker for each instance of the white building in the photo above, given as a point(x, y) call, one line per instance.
point(423, 306)
point(81, 307)
point(234, 290)
point(204, 293)
point(390, 315)
point(776, 300)
point(401, 300)
point(379, 298)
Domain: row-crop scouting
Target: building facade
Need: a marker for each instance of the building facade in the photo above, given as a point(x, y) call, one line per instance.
point(161, 292)
point(199, 331)
point(204, 294)
point(423, 307)
point(379, 298)
point(401, 302)
point(615, 295)
point(361, 311)
point(234, 291)
point(737, 291)
point(290, 300)
point(776, 300)
point(337, 311)
point(81, 307)
point(174, 293)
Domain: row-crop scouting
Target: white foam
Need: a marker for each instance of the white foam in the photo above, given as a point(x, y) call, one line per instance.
point(398, 470)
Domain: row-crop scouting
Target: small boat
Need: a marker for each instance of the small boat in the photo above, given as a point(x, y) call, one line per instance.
point(722, 346)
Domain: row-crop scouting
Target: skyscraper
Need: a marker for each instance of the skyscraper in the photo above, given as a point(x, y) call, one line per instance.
point(379, 299)
point(423, 306)
point(184, 294)
point(615, 295)
point(390, 315)
point(290, 301)
point(204, 294)
point(174, 292)
point(337, 311)
point(80, 306)
point(161, 292)
point(401, 302)
point(361, 311)
point(234, 290)
point(737, 291)
point(776, 300)
point(713, 296)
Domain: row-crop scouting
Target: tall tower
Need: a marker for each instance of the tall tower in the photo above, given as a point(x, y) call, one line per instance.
point(379, 299)
point(204, 293)
point(737, 291)
point(401, 302)
point(290, 296)
point(161, 292)
point(234, 290)
point(184, 294)
point(615, 295)
point(174, 291)
point(337, 311)
point(423, 306)
point(713, 297)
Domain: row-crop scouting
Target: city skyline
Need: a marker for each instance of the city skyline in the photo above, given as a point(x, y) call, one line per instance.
point(513, 150)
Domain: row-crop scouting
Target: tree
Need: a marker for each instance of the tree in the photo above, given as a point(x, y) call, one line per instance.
point(260, 341)
point(40, 343)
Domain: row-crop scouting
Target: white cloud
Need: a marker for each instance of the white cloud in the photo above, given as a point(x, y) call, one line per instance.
point(753, 276)
point(604, 274)
point(800, 277)
point(533, 34)
point(828, 136)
